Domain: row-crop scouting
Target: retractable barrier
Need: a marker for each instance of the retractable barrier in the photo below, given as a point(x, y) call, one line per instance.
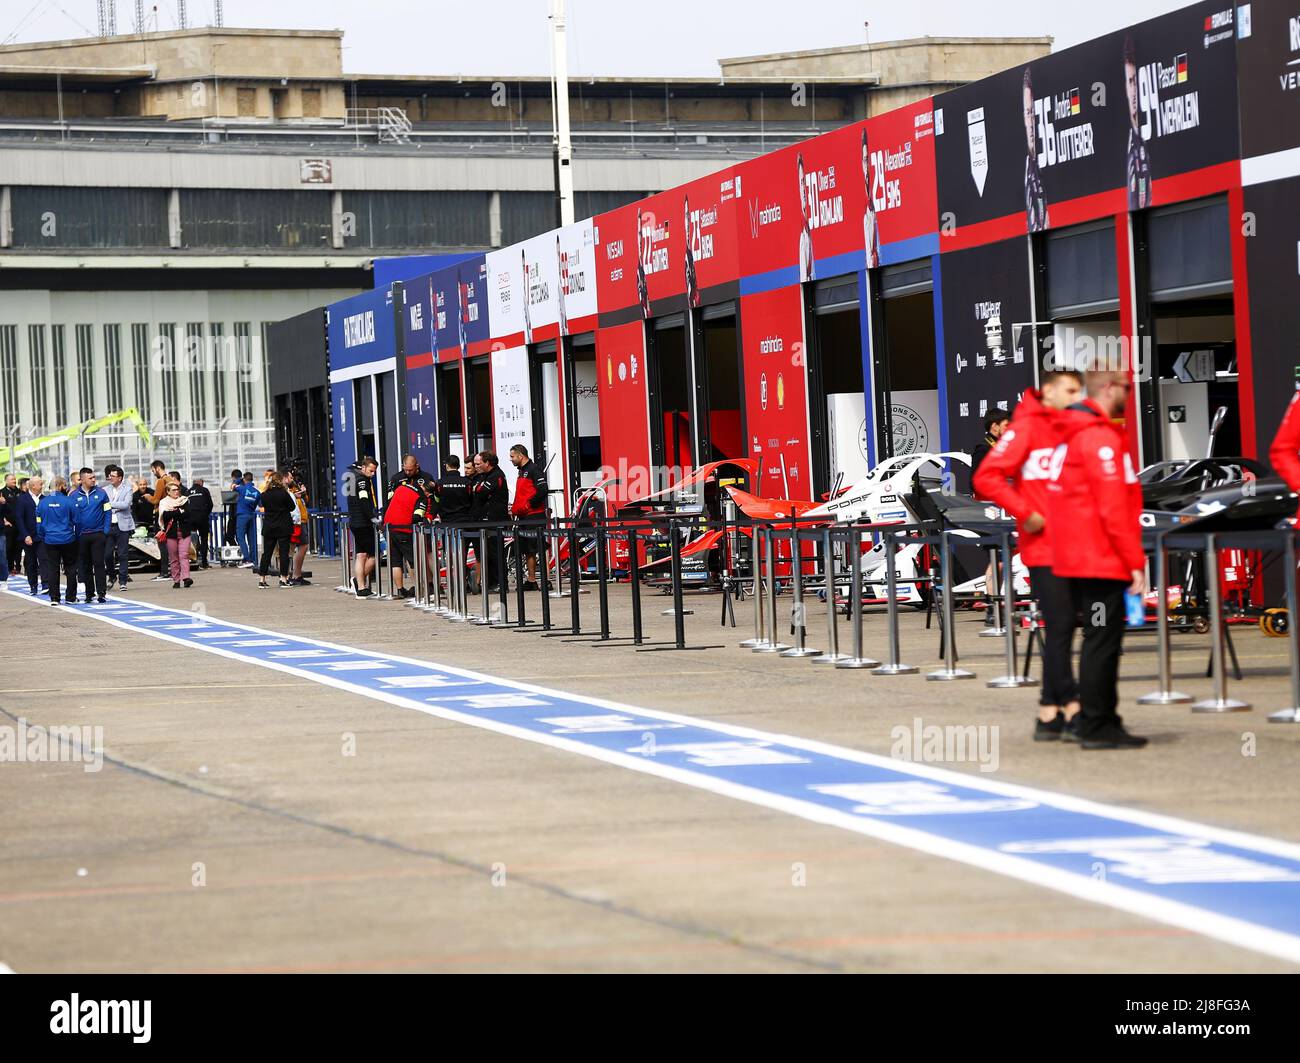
point(824, 561)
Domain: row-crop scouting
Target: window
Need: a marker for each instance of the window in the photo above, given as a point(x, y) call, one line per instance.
point(36, 346)
point(264, 367)
point(140, 367)
point(311, 103)
point(246, 103)
point(59, 352)
point(169, 368)
point(86, 370)
point(196, 359)
point(9, 374)
point(222, 363)
point(113, 365)
point(243, 342)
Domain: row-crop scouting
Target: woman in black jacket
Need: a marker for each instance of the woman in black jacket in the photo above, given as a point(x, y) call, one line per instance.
point(277, 507)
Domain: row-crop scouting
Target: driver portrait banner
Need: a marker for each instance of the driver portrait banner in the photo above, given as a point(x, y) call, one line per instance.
point(1135, 119)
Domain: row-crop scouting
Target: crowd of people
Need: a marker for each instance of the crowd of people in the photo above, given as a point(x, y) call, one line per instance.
point(475, 493)
point(73, 535)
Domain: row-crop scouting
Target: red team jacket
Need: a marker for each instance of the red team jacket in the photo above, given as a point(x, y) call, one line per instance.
point(1016, 471)
point(1285, 451)
point(1094, 499)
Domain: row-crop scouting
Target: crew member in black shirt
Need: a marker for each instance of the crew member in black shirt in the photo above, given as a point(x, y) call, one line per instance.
point(489, 504)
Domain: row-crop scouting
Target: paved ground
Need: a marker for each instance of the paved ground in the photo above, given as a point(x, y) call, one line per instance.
point(228, 831)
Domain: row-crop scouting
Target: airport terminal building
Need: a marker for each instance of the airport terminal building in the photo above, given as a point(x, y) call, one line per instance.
point(182, 190)
point(880, 287)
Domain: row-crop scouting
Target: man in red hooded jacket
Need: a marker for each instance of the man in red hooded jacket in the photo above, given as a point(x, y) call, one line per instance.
point(1014, 475)
point(1285, 451)
point(1093, 524)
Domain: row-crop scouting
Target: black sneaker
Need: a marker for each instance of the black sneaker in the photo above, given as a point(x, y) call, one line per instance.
point(529, 585)
point(1070, 732)
point(176, 586)
point(1113, 737)
point(102, 600)
point(407, 592)
point(188, 582)
point(364, 592)
point(1049, 732)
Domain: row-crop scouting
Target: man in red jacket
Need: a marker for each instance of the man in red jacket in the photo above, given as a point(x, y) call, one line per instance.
point(1014, 475)
point(1285, 451)
point(1093, 525)
point(529, 506)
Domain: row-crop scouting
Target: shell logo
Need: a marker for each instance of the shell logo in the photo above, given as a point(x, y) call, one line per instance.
point(780, 391)
point(609, 371)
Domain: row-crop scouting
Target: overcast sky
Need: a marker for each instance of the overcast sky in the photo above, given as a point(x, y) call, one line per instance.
point(668, 37)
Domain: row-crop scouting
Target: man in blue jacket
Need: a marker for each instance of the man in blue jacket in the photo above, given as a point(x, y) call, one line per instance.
point(92, 516)
point(247, 496)
point(58, 537)
point(29, 541)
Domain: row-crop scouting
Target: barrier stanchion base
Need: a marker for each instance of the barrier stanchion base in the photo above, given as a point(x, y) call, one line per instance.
point(1224, 705)
point(1285, 716)
point(830, 658)
point(673, 612)
point(947, 675)
point(992, 633)
point(772, 647)
point(1164, 697)
point(795, 651)
point(896, 669)
point(1010, 682)
point(752, 644)
point(857, 662)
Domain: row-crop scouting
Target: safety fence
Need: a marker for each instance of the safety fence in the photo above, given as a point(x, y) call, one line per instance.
point(463, 574)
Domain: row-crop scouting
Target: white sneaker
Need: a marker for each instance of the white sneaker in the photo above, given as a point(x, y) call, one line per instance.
point(159, 579)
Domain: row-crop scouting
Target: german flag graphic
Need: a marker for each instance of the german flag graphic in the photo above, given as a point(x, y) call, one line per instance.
point(1181, 64)
point(1075, 106)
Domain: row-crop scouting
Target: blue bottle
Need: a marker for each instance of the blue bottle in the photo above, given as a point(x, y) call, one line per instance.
point(1135, 609)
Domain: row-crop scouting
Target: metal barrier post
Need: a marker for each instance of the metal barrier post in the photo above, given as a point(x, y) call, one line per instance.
point(854, 540)
point(503, 579)
point(521, 618)
point(1165, 695)
point(1000, 617)
point(480, 562)
point(345, 551)
point(1220, 702)
point(679, 617)
point(602, 578)
point(456, 561)
point(760, 638)
point(633, 548)
point(950, 670)
point(893, 666)
point(574, 582)
point(418, 568)
point(1011, 679)
point(832, 654)
point(1291, 715)
point(770, 645)
point(543, 566)
point(797, 609)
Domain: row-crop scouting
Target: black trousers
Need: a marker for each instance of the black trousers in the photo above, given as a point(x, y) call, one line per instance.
point(1099, 604)
point(94, 568)
point(204, 533)
point(32, 564)
point(11, 547)
point(1060, 621)
point(55, 557)
point(270, 543)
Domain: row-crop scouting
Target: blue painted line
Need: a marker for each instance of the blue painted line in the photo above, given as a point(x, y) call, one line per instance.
point(1240, 888)
point(769, 281)
point(907, 250)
